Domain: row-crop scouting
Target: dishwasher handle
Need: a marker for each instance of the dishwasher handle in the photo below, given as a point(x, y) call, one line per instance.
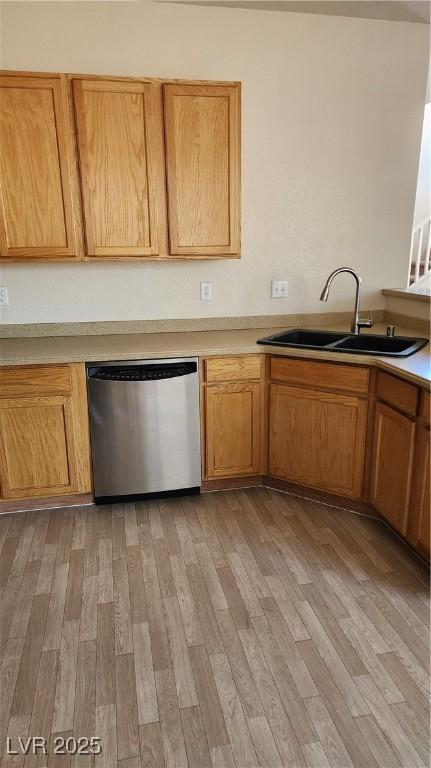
point(151, 372)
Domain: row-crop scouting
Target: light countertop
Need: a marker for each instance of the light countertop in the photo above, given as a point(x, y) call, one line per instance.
point(72, 349)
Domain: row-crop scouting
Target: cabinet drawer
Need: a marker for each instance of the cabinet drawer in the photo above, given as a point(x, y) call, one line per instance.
point(38, 379)
point(233, 368)
point(398, 393)
point(305, 373)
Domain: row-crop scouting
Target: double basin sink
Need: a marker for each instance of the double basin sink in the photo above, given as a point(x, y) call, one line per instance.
point(335, 341)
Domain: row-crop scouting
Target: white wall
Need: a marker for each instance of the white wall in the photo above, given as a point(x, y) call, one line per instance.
point(332, 113)
point(423, 190)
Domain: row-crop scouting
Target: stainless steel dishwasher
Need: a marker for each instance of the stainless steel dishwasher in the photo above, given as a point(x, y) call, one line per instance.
point(144, 427)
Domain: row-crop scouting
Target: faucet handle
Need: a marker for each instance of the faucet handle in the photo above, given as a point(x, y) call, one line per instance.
point(366, 322)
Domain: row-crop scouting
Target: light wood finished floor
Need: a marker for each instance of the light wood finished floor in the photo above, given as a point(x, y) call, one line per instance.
point(245, 628)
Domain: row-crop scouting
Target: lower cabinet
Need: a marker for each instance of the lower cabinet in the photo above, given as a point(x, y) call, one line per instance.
point(420, 508)
point(233, 416)
point(419, 515)
point(316, 423)
point(233, 427)
point(44, 443)
point(392, 464)
point(318, 439)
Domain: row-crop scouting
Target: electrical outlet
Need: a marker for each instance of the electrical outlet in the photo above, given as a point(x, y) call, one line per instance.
point(279, 289)
point(4, 297)
point(206, 291)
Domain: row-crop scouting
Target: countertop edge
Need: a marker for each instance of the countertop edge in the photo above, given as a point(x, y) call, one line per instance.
point(385, 364)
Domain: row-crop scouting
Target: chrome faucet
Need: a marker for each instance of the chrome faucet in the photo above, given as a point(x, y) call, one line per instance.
point(357, 323)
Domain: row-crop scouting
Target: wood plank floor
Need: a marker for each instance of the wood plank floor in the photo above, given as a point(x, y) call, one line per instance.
point(244, 628)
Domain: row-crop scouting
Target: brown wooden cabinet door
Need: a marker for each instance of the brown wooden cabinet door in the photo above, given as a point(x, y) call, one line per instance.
point(202, 124)
point(392, 463)
point(233, 422)
point(120, 146)
point(40, 213)
point(318, 439)
point(44, 445)
point(419, 515)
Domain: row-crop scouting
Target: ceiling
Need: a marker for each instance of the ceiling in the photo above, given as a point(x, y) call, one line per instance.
point(416, 11)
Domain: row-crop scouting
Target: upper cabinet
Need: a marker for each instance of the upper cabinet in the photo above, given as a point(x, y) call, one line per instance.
point(121, 157)
point(39, 216)
point(154, 166)
point(202, 124)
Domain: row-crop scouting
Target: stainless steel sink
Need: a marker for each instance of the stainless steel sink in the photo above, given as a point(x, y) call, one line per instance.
point(369, 344)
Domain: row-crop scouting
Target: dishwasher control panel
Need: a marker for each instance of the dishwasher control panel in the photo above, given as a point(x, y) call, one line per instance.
point(141, 372)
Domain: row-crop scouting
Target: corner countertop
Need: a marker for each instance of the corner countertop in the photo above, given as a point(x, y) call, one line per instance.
point(411, 294)
point(73, 349)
